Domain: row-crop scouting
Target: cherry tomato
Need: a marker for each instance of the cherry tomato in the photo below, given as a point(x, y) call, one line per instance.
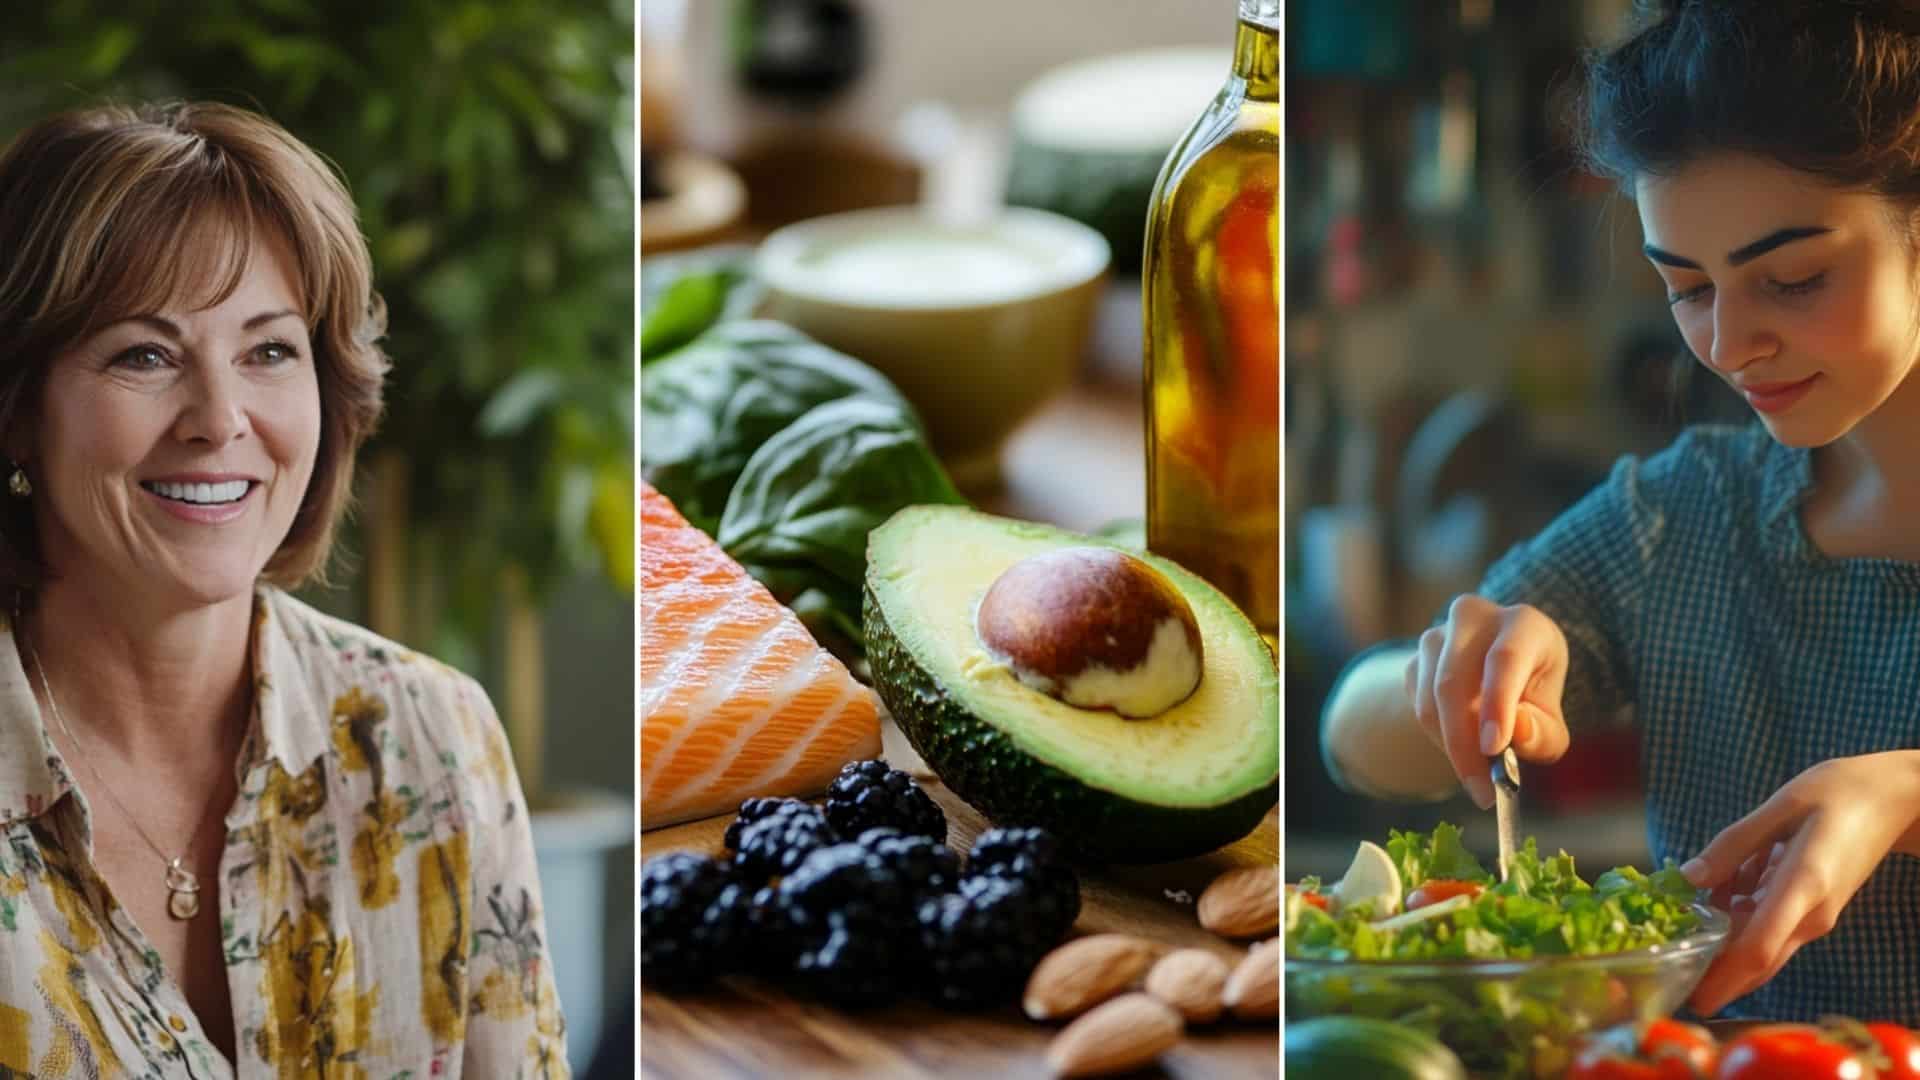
point(1440, 889)
point(1318, 900)
point(1690, 1043)
point(1792, 1052)
point(1651, 1050)
point(1902, 1047)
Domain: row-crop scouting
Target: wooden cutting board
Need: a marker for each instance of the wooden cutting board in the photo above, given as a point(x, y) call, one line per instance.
point(745, 1028)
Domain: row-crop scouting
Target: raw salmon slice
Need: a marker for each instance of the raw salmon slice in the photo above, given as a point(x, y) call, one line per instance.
point(736, 698)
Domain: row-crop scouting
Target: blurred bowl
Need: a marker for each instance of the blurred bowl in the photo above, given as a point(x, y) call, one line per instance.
point(1511, 1017)
point(977, 323)
point(704, 199)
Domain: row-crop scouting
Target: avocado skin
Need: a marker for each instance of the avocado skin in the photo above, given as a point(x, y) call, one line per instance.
point(1012, 787)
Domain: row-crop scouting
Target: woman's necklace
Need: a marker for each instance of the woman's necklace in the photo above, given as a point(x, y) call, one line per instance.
point(183, 886)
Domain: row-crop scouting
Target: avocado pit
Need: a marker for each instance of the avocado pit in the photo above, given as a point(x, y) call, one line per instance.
point(1094, 628)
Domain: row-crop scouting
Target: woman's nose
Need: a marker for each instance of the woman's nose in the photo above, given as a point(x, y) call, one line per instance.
point(214, 414)
point(1739, 337)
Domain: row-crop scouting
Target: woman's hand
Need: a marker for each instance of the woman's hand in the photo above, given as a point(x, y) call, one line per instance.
point(1491, 676)
point(1788, 869)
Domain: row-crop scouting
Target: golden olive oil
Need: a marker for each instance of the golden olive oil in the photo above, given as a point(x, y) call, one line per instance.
point(1212, 304)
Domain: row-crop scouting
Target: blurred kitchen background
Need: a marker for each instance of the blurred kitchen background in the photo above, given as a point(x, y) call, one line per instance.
point(759, 113)
point(1472, 338)
point(489, 147)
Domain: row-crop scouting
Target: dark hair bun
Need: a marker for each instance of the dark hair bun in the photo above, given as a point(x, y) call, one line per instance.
point(1829, 87)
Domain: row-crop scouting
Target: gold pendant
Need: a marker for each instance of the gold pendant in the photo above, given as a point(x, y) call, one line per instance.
point(183, 891)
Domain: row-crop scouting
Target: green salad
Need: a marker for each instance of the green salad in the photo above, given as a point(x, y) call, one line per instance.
point(1543, 908)
point(1425, 899)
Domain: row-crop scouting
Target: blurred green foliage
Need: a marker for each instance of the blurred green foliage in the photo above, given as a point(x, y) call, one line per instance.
point(489, 147)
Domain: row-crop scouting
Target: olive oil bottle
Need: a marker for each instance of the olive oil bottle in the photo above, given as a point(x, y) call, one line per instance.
point(1211, 281)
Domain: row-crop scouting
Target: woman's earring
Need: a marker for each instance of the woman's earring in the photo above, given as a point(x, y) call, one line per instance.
point(19, 484)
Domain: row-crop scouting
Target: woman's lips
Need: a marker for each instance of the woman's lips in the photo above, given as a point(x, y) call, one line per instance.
point(203, 513)
point(1777, 396)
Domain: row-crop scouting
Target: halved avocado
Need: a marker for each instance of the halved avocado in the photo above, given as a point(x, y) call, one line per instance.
point(1183, 782)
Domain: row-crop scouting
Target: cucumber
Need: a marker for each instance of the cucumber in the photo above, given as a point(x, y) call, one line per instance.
point(1351, 1047)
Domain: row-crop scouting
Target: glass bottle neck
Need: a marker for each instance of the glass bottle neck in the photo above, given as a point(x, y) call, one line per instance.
point(1256, 49)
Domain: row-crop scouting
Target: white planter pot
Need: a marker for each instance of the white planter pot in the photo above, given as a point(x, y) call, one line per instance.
point(574, 839)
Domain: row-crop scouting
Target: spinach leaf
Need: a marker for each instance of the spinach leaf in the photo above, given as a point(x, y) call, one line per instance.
point(709, 407)
point(681, 296)
point(799, 515)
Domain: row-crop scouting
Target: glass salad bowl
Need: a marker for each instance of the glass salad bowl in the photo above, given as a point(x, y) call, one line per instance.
point(1511, 1017)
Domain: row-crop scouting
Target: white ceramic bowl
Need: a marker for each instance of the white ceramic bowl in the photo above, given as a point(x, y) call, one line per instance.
point(977, 323)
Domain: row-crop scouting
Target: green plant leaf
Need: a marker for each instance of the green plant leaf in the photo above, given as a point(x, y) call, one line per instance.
point(799, 515)
point(524, 396)
point(709, 407)
point(682, 295)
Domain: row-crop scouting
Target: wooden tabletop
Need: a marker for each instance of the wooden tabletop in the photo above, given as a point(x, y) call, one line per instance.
point(744, 1028)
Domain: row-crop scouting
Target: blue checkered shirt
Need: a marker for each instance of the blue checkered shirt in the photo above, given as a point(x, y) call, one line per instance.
point(1687, 587)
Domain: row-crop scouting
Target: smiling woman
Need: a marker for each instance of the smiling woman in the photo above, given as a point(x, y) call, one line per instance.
point(1798, 294)
point(1753, 592)
point(240, 837)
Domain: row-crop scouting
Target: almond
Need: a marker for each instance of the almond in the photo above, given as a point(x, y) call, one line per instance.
point(1192, 981)
point(1123, 1034)
point(1242, 903)
point(1253, 990)
point(1085, 972)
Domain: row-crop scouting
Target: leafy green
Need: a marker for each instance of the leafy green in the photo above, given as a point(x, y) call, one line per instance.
point(682, 296)
point(799, 515)
point(706, 409)
point(1420, 859)
point(785, 451)
point(1501, 1025)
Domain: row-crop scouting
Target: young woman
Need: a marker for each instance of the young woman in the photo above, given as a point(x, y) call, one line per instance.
point(237, 837)
point(1753, 592)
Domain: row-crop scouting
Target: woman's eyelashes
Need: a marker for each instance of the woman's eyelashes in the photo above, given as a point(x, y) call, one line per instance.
point(149, 356)
point(1803, 287)
point(275, 353)
point(1682, 296)
point(141, 358)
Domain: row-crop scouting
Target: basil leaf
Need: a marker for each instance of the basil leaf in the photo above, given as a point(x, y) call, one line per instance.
point(681, 296)
point(709, 407)
point(799, 515)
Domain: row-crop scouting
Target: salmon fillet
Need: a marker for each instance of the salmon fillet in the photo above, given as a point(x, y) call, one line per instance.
point(736, 697)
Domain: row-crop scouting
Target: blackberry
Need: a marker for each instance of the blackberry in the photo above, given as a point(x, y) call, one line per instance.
point(926, 866)
point(766, 947)
point(868, 794)
point(733, 926)
point(851, 961)
point(982, 942)
point(1031, 856)
point(778, 840)
point(677, 937)
point(754, 810)
point(848, 918)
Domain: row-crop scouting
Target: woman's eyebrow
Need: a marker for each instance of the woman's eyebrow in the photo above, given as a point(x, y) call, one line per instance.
point(1740, 255)
point(167, 326)
point(266, 317)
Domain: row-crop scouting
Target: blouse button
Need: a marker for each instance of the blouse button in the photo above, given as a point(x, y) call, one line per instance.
point(176, 1023)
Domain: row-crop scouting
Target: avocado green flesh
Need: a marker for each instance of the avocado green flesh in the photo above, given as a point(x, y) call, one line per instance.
point(1187, 781)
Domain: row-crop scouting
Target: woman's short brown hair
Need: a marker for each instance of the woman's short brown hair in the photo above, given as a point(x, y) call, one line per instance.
point(98, 209)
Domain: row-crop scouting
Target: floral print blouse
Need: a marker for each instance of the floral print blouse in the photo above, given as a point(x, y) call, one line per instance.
point(379, 908)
